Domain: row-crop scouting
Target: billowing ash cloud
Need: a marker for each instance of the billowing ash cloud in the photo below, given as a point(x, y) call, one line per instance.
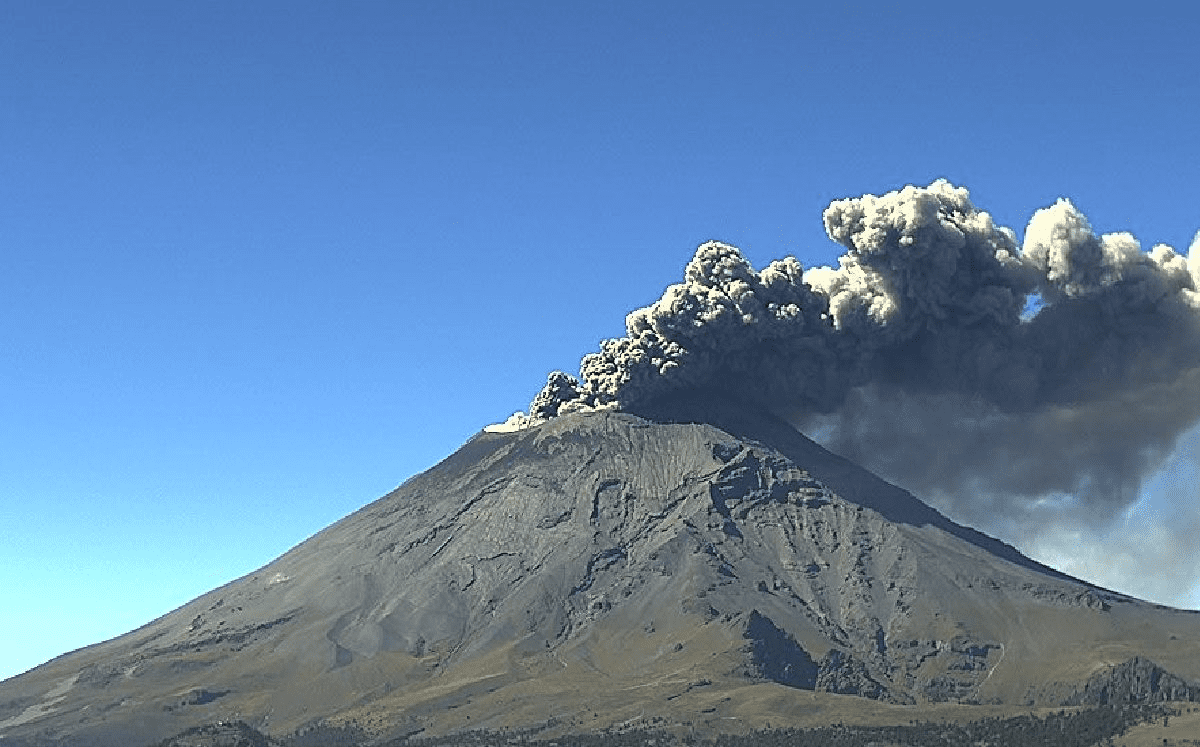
point(967, 367)
point(928, 299)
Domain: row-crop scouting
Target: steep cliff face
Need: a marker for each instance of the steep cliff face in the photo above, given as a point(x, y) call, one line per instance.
point(595, 569)
point(1138, 680)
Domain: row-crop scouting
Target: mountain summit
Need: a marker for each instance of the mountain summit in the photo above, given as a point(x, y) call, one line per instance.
point(695, 563)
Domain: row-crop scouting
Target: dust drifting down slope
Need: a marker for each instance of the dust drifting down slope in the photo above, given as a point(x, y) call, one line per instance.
point(1015, 384)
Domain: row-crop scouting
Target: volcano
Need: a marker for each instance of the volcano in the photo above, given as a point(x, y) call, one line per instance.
point(696, 564)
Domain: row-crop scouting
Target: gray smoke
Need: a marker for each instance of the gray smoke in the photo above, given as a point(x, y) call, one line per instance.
point(998, 379)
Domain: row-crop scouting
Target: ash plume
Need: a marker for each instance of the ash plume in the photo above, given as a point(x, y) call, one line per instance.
point(966, 366)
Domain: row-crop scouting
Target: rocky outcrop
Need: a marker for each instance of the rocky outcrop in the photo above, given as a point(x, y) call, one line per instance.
point(773, 654)
point(221, 734)
point(844, 674)
point(1138, 680)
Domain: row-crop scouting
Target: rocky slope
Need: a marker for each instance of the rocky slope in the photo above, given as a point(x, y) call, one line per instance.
point(605, 569)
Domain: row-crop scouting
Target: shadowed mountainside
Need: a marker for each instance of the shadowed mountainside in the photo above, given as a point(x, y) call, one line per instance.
point(608, 569)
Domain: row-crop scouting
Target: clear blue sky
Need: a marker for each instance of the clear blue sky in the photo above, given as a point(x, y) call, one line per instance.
point(261, 262)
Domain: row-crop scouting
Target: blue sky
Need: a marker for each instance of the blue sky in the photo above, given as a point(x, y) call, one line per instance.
point(264, 261)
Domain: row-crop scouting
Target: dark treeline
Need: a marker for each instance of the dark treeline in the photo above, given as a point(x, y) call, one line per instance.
point(1086, 728)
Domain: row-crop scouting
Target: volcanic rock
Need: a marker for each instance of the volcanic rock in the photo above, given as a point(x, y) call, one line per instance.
point(608, 569)
point(1138, 680)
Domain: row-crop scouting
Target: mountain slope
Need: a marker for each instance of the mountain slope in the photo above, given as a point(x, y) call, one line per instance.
point(607, 568)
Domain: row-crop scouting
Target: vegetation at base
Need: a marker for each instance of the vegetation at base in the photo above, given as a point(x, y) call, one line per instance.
point(221, 734)
point(1083, 728)
point(1062, 729)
